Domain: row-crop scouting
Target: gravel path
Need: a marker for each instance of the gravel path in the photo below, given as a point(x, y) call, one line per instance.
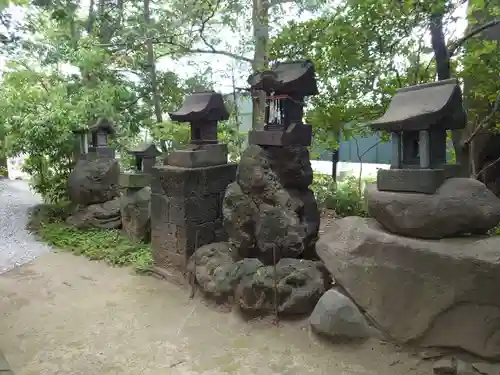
point(17, 246)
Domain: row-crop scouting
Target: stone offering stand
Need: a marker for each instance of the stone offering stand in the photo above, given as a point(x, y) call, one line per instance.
point(420, 270)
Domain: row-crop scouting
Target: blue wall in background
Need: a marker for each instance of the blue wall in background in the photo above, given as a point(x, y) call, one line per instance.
point(379, 154)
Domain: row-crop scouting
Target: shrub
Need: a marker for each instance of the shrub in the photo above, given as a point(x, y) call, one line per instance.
point(345, 197)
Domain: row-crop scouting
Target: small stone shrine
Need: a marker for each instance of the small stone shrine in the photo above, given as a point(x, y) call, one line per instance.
point(418, 118)
point(286, 86)
point(145, 158)
point(187, 192)
point(135, 202)
point(94, 142)
point(421, 266)
point(270, 214)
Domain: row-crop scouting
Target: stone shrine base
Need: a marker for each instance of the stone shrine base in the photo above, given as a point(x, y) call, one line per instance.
point(436, 293)
point(185, 210)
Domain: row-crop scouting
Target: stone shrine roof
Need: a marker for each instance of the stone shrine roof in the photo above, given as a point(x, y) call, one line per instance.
point(145, 149)
point(295, 77)
point(101, 124)
point(422, 107)
point(201, 106)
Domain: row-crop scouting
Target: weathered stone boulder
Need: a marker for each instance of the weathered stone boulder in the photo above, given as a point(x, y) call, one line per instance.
point(434, 293)
point(270, 207)
point(135, 209)
point(221, 275)
point(337, 317)
point(299, 284)
point(238, 210)
point(459, 206)
point(216, 270)
point(101, 215)
point(94, 181)
point(279, 233)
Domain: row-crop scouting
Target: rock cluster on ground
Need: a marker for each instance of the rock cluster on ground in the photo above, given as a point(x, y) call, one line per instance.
point(269, 211)
point(433, 293)
point(460, 206)
point(222, 274)
point(271, 217)
point(93, 186)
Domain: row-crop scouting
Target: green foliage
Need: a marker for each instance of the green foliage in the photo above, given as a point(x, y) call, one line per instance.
point(346, 197)
point(495, 231)
point(42, 104)
point(47, 221)
point(481, 63)
point(107, 245)
point(174, 134)
point(356, 65)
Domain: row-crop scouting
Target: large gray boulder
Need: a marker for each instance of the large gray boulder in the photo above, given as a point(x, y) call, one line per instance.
point(135, 209)
point(460, 206)
point(94, 181)
point(434, 293)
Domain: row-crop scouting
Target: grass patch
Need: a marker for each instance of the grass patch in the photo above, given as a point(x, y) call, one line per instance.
point(96, 244)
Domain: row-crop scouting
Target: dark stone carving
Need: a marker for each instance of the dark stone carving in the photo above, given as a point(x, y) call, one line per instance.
point(269, 211)
point(418, 117)
point(286, 86)
point(202, 110)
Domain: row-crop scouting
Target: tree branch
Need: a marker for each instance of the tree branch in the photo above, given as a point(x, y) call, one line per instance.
point(213, 51)
point(453, 48)
point(493, 163)
point(486, 122)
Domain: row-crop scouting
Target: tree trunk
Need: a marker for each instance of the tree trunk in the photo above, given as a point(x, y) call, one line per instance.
point(439, 47)
point(151, 65)
point(260, 21)
point(443, 68)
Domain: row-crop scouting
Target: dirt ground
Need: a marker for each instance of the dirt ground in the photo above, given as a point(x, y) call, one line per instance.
point(63, 314)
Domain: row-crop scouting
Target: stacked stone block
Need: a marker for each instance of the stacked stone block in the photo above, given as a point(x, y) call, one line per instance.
point(186, 210)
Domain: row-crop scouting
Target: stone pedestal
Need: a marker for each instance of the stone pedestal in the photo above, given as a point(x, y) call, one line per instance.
point(186, 207)
point(414, 180)
point(135, 210)
point(134, 181)
point(197, 156)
